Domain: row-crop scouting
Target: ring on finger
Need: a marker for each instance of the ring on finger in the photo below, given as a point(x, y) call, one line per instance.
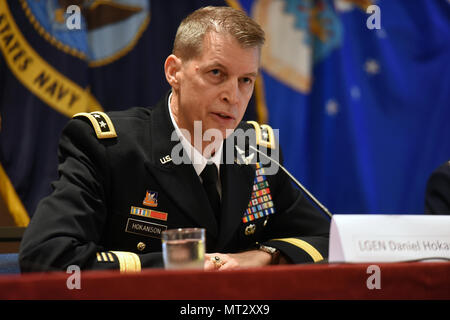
point(218, 262)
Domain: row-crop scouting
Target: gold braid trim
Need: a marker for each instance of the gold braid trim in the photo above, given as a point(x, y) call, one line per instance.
point(305, 246)
point(128, 261)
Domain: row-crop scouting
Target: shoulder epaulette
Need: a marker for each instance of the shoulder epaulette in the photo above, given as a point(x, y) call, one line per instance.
point(102, 124)
point(264, 135)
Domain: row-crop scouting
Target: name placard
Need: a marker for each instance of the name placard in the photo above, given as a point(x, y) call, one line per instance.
point(388, 238)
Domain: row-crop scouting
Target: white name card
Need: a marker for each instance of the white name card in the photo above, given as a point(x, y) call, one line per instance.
point(388, 238)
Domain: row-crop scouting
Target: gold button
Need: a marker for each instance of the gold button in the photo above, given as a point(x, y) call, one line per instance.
point(250, 229)
point(141, 246)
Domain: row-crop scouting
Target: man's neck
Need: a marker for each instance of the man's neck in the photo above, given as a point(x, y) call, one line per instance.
point(195, 137)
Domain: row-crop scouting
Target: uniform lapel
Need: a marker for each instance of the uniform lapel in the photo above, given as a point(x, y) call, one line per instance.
point(181, 180)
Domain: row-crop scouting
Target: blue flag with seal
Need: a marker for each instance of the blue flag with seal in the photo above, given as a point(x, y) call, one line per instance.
point(359, 92)
point(62, 57)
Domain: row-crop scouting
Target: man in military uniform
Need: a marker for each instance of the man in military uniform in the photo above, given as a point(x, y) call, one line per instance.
point(121, 183)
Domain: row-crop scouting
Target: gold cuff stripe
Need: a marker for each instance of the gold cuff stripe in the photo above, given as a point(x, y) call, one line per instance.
point(95, 123)
point(305, 246)
point(270, 143)
point(128, 261)
point(105, 257)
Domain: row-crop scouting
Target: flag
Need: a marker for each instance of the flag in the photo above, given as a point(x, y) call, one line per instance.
point(359, 92)
point(41, 86)
point(61, 57)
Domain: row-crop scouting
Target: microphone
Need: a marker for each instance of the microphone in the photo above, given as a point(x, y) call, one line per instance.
point(317, 202)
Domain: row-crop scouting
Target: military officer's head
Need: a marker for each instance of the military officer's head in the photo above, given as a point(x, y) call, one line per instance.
point(213, 68)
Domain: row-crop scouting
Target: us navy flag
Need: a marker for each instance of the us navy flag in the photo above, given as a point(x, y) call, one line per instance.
point(62, 57)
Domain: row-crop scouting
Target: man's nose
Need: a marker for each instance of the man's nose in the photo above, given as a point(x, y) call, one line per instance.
point(230, 93)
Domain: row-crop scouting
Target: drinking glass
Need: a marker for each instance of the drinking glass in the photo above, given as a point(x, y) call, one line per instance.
point(183, 248)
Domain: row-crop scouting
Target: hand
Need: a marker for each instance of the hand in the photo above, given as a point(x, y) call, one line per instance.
point(246, 259)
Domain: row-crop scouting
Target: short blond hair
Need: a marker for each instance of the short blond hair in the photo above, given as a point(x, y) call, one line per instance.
point(188, 42)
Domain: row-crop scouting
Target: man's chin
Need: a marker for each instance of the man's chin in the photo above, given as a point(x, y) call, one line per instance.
point(219, 131)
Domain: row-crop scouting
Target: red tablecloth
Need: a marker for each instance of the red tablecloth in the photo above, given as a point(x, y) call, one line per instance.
point(421, 280)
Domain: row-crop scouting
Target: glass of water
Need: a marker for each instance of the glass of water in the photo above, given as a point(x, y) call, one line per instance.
point(183, 248)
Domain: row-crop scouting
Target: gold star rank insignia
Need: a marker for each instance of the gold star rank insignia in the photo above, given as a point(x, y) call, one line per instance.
point(101, 123)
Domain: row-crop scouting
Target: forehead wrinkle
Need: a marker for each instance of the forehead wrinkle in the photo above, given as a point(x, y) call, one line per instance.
point(216, 50)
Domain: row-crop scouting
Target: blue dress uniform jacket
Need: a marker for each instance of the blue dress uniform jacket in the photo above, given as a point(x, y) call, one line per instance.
point(437, 197)
point(119, 189)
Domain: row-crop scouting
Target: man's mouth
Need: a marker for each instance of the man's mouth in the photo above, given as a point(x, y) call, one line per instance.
point(224, 116)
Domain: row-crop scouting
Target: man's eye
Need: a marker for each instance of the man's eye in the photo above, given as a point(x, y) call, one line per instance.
point(215, 72)
point(247, 80)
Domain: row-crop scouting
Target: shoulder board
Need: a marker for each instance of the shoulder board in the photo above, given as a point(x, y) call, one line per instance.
point(102, 124)
point(264, 135)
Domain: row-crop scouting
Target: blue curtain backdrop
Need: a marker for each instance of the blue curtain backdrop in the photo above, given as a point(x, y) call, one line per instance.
point(362, 113)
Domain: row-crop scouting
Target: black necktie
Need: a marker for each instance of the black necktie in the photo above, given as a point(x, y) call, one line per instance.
point(209, 176)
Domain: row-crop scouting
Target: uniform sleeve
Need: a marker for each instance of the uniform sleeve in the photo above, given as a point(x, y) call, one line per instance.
point(67, 227)
point(298, 230)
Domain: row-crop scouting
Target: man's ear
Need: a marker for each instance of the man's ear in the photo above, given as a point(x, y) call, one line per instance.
point(172, 67)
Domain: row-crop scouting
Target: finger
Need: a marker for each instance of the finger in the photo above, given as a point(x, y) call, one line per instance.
point(209, 265)
point(210, 261)
point(212, 255)
point(214, 261)
point(230, 264)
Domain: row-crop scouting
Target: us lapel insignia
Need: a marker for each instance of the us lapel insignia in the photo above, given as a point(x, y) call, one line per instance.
point(165, 159)
point(151, 199)
point(247, 160)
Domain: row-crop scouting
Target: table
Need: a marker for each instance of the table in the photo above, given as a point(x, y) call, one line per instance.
point(408, 280)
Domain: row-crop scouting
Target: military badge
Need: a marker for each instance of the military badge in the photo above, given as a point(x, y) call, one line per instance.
point(250, 229)
point(149, 213)
point(102, 124)
point(260, 204)
point(151, 199)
